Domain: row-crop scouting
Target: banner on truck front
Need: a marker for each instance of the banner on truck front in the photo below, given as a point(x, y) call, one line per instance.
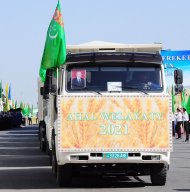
point(140, 123)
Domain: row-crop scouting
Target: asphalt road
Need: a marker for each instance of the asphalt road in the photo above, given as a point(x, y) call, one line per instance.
point(24, 167)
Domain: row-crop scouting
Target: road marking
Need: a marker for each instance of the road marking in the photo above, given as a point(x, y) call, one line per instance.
point(24, 168)
point(24, 156)
point(17, 148)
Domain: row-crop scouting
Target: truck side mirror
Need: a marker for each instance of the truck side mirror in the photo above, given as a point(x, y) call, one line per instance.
point(41, 91)
point(178, 76)
point(178, 79)
point(48, 83)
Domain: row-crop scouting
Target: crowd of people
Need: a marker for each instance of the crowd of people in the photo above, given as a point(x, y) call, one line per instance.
point(10, 119)
point(14, 118)
point(181, 124)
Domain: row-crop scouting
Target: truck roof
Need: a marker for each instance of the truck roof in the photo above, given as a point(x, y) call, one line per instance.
point(113, 57)
point(101, 46)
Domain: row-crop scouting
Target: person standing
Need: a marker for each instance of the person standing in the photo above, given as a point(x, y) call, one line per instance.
point(179, 120)
point(173, 125)
point(37, 118)
point(30, 119)
point(185, 117)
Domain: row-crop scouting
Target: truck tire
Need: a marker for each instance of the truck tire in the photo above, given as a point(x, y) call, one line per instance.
point(54, 163)
point(64, 175)
point(53, 155)
point(50, 156)
point(39, 125)
point(42, 138)
point(158, 174)
point(48, 151)
point(42, 146)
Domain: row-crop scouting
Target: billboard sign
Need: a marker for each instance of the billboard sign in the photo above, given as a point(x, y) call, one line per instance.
point(176, 59)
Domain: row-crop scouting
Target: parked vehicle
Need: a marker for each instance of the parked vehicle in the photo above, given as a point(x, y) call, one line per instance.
point(117, 120)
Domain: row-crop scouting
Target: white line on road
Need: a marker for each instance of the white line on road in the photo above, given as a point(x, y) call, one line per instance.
point(17, 148)
point(24, 168)
point(20, 134)
point(24, 156)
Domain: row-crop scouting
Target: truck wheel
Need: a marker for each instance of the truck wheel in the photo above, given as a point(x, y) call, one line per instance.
point(54, 160)
point(64, 175)
point(48, 151)
point(158, 174)
point(42, 146)
point(54, 163)
point(50, 156)
point(47, 147)
point(39, 125)
point(53, 154)
point(42, 140)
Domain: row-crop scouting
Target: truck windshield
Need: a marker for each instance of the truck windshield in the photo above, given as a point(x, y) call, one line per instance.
point(114, 77)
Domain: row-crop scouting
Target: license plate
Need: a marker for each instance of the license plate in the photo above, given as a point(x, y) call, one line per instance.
point(116, 155)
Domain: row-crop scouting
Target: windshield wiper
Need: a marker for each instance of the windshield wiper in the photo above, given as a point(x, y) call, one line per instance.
point(123, 87)
point(89, 89)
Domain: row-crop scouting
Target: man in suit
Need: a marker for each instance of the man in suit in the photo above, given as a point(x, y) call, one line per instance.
point(78, 82)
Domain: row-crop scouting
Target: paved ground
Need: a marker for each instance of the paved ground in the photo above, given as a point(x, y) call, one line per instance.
point(24, 167)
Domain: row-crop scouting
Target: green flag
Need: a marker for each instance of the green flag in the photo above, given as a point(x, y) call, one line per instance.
point(188, 105)
point(183, 101)
point(32, 109)
point(42, 74)
point(54, 54)
point(173, 99)
point(26, 110)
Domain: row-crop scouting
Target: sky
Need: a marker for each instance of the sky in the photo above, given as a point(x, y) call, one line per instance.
point(24, 26)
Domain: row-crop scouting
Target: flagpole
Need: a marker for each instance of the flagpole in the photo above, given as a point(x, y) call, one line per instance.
point(57, 76)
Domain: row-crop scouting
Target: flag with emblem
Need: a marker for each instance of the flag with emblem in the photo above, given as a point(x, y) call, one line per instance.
point(54, 54)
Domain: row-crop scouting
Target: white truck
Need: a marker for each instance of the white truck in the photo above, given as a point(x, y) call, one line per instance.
point(42, 129)
point(45, 117)
point(104, 116)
